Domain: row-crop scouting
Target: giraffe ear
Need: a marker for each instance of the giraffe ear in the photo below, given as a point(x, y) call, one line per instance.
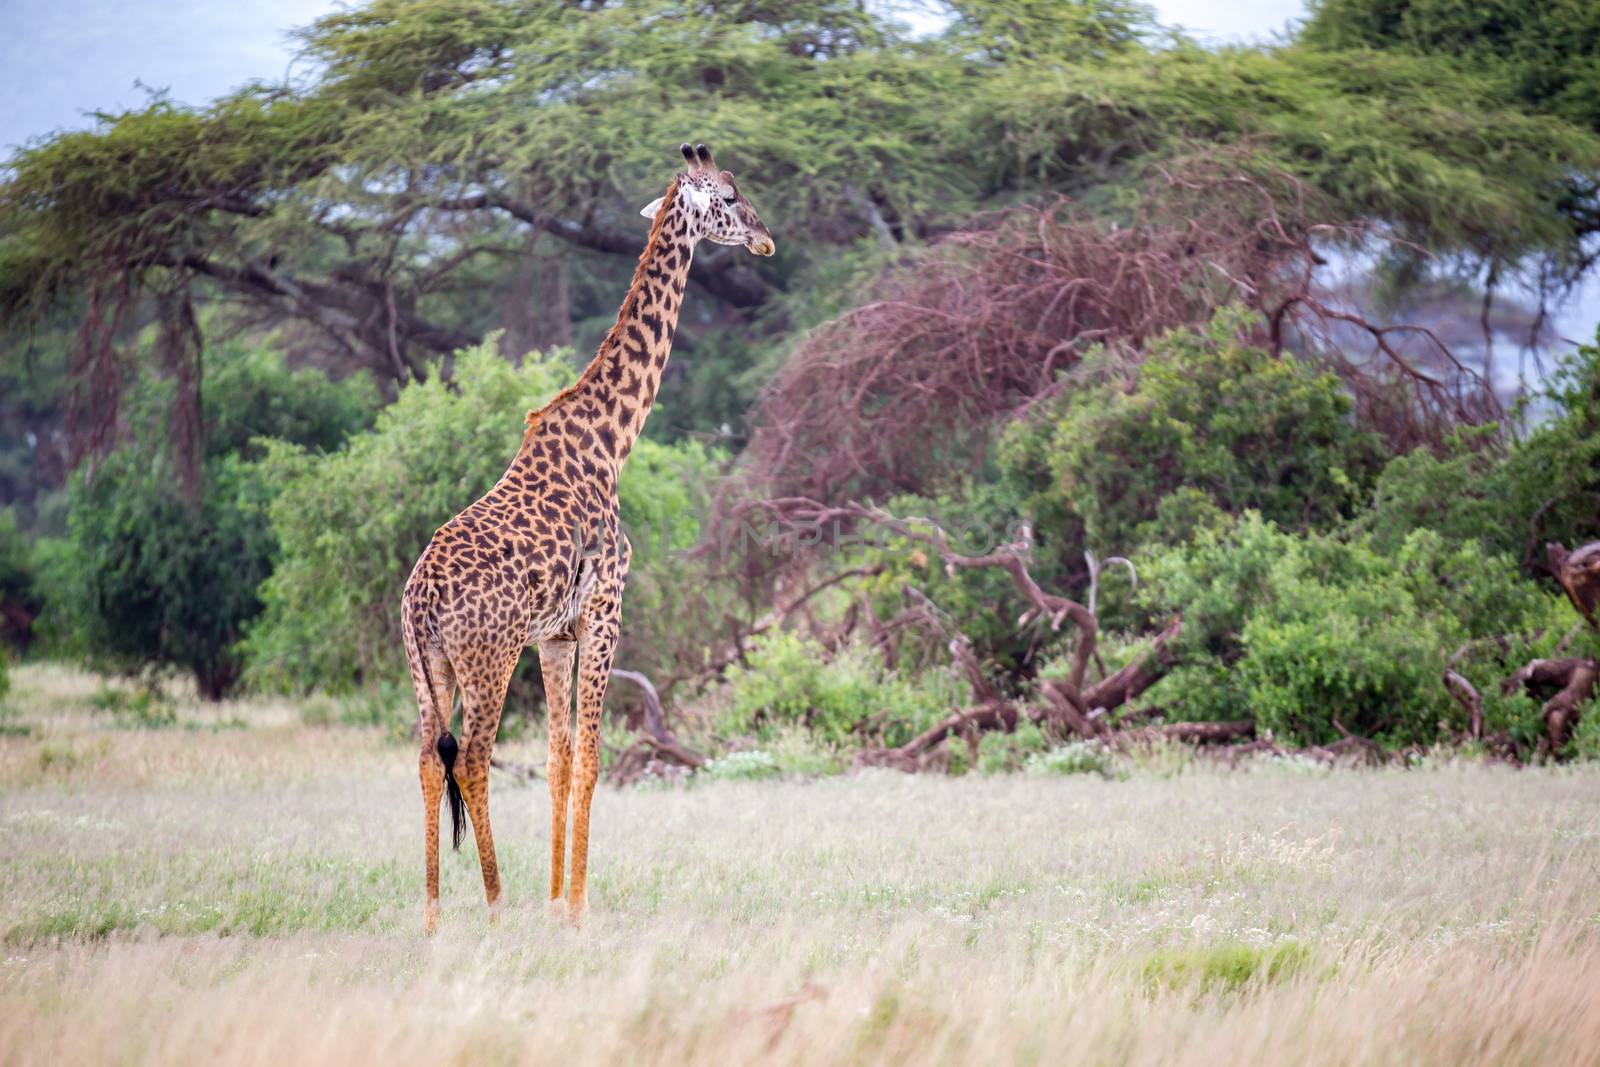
point(650, 209)
point(699, 198)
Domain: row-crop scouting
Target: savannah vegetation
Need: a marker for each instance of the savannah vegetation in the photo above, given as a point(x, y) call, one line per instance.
point(1126, 548)
point(204, 893)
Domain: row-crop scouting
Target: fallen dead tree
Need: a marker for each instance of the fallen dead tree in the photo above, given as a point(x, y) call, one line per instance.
point(656, 744)
point(1073, 705)
point(1068, 706)
point(1567, 682)
point(1573, 679)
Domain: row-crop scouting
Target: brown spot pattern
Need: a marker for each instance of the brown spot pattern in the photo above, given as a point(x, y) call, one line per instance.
point(540, 559)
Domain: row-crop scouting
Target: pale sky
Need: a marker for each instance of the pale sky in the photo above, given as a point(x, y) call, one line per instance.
point(62, 58)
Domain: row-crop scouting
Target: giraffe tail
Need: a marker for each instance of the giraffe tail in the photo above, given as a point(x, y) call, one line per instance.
point(447, 752)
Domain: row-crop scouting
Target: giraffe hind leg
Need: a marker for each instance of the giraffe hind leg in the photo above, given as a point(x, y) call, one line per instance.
point(483, 697)
point(434, 682)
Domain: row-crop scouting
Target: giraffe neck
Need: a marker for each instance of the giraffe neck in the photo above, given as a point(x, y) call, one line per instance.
point(605, 410)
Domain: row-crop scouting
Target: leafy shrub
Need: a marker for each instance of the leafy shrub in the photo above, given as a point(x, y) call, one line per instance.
point(1003, 753)
point(1313, 635)
point(352, 523)
point(1586, 738)
point(672, 604)
point(1209, 416)
point(19, 594)
point(1545, 488)
point(1078, 757)
point(748, 765)
point(788, 680)
point(1447, 493)
point(147, 577)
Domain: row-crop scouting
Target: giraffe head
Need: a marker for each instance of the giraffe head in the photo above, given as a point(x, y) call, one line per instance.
point(716, 210)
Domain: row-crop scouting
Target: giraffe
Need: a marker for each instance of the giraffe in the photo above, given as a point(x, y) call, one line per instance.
point(541, 559)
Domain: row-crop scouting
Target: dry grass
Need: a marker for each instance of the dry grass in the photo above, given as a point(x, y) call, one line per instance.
point(251, 894)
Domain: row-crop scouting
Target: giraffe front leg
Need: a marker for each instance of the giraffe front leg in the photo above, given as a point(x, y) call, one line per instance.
point(597, 644)
point(555, 665)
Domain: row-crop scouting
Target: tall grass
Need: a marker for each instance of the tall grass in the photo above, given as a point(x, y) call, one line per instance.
point(253, 896)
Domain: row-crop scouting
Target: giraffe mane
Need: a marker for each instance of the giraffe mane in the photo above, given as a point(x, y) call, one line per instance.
point(593, 368)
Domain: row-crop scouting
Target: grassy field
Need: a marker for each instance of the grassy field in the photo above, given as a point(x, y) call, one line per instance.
point(239, 887)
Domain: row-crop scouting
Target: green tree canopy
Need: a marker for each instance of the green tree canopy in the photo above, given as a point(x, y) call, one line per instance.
point(450, 166)
point(1547, 51)
point(148, 575)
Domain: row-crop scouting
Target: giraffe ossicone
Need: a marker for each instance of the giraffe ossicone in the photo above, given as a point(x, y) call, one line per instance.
point(541, 559)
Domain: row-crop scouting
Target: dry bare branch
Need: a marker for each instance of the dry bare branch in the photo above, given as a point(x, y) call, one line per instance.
point(982, 325)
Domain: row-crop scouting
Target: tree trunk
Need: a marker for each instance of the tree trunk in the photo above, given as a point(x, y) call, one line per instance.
point(1578, 572)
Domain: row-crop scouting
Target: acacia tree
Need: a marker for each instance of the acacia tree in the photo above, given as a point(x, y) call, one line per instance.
point(379, 202)
point(432, 141)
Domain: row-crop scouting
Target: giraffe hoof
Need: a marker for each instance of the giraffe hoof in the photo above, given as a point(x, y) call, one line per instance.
point(430, 917)
point(556, 908)
point(496, 906)
point(576, 911)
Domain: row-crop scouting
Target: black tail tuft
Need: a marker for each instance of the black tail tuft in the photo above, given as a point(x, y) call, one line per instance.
point(458, 807)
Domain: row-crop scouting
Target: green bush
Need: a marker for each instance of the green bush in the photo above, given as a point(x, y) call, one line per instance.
point(1004, 753)
point(148, 577)
point(789, 680)
point(350, 524)
point(1221, 422)
point(19, 590)
point(1314, 635)
point(1586, 738)
point(1205, 427)
point(672, 605)
point(1544, 488)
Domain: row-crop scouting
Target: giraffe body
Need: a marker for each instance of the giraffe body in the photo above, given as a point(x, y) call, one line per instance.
point(541, 558)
